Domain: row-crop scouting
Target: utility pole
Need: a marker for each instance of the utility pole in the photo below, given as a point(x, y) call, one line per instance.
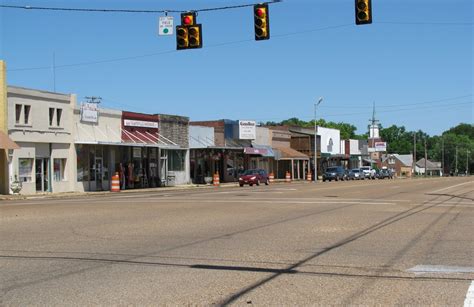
point(414, 153)
point(442, 154)
point(426, 158)
point(467, 161)
point(456, 165)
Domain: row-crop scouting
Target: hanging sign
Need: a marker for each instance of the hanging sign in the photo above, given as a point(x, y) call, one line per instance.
point(247, 130)
point(165, 26)
point(89, 112)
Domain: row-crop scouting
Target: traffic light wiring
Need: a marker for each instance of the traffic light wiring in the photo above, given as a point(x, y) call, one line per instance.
point(220, 8)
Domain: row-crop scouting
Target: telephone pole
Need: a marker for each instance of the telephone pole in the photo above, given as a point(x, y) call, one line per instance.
point(426, 158)
point(442, 153)
point(414, 153)
point(467, 161)
point(456, 165)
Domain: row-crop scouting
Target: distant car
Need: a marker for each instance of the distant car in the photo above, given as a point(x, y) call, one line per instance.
point(334, 173)
point(355, 174)
point(254, 176)
point(369, 172)
point(385, 173)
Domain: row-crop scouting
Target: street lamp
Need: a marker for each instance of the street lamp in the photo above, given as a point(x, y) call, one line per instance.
point(315, 141)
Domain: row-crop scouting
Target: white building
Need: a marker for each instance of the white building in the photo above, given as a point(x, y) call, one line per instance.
point(41, 123)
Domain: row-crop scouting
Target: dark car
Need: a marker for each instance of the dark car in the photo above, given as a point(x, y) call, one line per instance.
point(335, 173)
point(384, 173)
point(253, 176)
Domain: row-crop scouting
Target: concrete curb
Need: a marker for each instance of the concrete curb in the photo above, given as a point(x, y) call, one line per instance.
point(99, 193)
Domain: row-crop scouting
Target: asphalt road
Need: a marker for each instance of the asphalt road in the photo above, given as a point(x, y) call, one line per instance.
point(397, 242)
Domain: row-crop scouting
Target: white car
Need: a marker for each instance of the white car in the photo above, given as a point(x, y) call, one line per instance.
point(368, 171)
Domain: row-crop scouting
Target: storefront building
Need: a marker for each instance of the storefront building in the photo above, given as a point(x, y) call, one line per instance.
point(216, 148)
point(131, 145)
point(41, 123)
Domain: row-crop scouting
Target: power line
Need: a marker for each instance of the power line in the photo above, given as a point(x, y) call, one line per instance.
point(119, 59)
point(357, 106)
point(28, 7)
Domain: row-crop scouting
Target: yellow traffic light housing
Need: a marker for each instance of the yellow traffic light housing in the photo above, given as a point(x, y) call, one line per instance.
point(363, 12)
point(261, 20)
point(188, 19)
point(188, 34)
point(182, 38)
point(194, 36)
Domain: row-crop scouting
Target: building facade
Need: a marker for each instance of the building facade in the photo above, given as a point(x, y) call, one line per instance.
point(41, 123)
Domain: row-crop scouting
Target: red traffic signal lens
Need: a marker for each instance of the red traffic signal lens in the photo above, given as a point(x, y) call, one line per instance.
point(187, 20)
point(260, 12)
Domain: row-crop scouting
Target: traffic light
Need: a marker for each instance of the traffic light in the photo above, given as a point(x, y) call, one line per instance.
point(188, 34)
point(182, 38)
point(194, 36)
point(262, 25)
point(363, 12)
point(188, 19)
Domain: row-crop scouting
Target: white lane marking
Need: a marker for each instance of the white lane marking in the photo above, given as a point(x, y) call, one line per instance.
point(395, 187)
point(440, 269)
point(469, 301)
point(453, 186)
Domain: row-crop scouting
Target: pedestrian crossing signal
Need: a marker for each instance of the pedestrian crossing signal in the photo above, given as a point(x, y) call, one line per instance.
point(363, 12)
point(261, 21)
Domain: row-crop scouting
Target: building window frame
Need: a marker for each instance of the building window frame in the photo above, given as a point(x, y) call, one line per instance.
point(25, 169)
point(59, 169)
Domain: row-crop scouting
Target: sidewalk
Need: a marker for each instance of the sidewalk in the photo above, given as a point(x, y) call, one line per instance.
point(99, 193)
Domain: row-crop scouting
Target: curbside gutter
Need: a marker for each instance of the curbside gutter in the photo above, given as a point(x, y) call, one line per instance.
point(98, 193)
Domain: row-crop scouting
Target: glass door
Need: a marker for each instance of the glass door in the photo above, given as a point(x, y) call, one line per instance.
point(42, 174)
point(98, 173)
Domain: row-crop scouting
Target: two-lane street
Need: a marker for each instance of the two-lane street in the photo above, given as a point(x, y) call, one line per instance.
point(383, 242)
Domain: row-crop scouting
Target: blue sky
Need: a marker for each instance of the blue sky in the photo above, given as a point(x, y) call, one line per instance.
point(415, 61)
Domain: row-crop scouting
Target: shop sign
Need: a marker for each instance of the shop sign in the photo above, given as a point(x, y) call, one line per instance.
point(89, 112)
point(380, 146)
point(140, 123)
point(247, 130)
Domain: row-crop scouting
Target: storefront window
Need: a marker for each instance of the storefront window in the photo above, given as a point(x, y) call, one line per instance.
point(176, 160)
point(25, 169)
point(59, 169)
point(82, 163)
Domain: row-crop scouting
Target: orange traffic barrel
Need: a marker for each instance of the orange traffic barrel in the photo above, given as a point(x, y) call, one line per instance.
point(287, 177)
point(271, 177)
point(309, 176)
point(215, 179)
point(115, 183)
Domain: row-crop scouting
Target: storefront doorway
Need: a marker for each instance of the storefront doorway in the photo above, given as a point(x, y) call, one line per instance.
point(42, 174)
point(98, 173)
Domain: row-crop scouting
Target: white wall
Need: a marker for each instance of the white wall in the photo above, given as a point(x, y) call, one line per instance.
point(264, 136)
point(39, 139)
point(108, 128)
point(330, 140)
point(201, 136)
point(354, 147)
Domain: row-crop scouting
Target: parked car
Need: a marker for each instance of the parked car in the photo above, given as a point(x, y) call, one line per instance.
point(356, 174)
point(254, 176)
point(385, 173)
point(369, 172)
point(335, 173)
